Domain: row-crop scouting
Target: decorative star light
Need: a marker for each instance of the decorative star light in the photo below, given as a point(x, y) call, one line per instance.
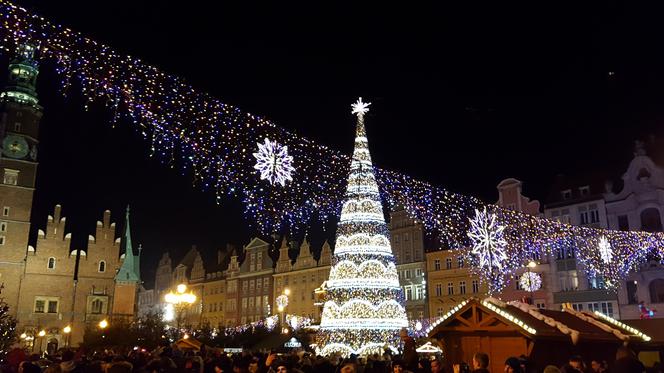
point(605, 250)
point(360, 107)
point(273, 162)
point(487, 239)
point(530, 281)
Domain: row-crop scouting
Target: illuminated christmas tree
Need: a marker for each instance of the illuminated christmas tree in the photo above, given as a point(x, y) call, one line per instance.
point(364, 309)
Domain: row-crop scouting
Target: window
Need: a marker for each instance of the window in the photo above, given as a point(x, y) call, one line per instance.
point(418, 272)
point(436, 265)
point(40, 306)
point(596, 282)
point(266, 282)
point(407, 273)
point(51, 263)
point(656, 288)
point(584, 190)
point(17, 127)
point(258, 304)
point(540, 306)
point(245, 286)
point(476, 287)
point(252, 262)
point(259, 285)
point(448, 263)
point(566, 194)
point(409, 293)
point(650, 220)
point(577, 306)
point(569, 280)
point(244, 304)
point(440, 312)
point(2, 240)
point(594, 213)
point(450, 288)
point(5, 211)
point(623, 223)
point(52, 306)
point(259, 261)
point(102, 266)
point(11, 177)
point(460, 261)
point(439, 290)
point(252, 285)
point(632, 287)
point(96, 306)
point(3, 227)
point(462, 287)
point(418, 292)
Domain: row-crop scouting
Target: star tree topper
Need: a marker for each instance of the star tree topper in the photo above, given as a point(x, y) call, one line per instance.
point(487, 239)
point(273, 162)
point(360, 107)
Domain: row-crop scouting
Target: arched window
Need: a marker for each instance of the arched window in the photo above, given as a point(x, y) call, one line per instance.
point(51, 263)
point(651, 220)
point(656, 291)
point(102, 266)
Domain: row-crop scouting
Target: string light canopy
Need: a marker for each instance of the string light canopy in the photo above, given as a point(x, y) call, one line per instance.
point(282, 191)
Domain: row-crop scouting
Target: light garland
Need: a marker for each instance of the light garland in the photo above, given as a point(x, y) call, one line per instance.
point(622, 325)
point(605, 251)
point(445, 316)
point(215, 143)
point(509, 317)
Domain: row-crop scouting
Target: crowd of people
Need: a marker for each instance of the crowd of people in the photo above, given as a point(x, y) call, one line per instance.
point(170, 359)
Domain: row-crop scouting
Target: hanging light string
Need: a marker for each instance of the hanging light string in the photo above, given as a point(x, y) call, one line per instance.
point(216, 142)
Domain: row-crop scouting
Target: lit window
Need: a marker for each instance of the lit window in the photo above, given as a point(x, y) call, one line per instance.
point(10, 177)
point(51, 263)
point(96, 307)
point(40, 305)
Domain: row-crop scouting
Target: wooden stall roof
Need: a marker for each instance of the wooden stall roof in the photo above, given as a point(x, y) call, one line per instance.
point(652, 327)
point(534, 323)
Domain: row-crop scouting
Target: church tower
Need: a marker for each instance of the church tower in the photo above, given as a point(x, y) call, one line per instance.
point(19, 130)
point(128, 277)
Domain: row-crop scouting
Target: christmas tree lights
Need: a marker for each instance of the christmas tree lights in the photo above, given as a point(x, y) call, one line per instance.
point(217, 144)
point(364, 310)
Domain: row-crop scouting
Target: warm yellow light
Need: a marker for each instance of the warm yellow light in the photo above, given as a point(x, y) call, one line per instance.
point(67, 329)
point(186, 336)
point(182, 288)
point(532, 264)
point(281, 309)
point(103, 324)
point(24, 336)
point(287, 291)
point(42, 333)
point(284, 331)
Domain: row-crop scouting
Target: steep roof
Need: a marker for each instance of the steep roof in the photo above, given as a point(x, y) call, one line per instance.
point(130, 269)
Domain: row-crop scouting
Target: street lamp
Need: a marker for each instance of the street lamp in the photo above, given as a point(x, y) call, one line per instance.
point(180, 300)
point(282, 303)
point(531, 265)
point(41, 335)
point(66, 330)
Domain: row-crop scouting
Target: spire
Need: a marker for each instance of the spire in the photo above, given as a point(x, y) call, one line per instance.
point(128, 271)
point(364, 309)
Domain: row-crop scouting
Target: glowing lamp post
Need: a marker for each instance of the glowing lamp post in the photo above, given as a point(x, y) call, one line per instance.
point(180, 300)
point(66, 330)
point(282, 303)
point(41, 334)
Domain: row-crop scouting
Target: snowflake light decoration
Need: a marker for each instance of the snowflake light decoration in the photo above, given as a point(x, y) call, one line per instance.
point(282, 301)
point(273, 162)
point(605, 250)
point(530, 281)
point(487, 239)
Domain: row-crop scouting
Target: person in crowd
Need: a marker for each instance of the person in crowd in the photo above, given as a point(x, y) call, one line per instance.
point(398, 366)
point(626, 361)
point(480, 363)
point(513, 365)
point(598, 366)
point(575, 363)
point(437, 366)
point(551, 369)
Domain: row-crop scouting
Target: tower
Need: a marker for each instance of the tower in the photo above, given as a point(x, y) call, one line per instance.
point(19, 129)
point(364, 309)
point(127, 279)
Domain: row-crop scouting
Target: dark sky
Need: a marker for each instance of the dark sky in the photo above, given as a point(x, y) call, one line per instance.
point(462, 96)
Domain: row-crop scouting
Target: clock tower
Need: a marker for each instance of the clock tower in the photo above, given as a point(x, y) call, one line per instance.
point(20, 114)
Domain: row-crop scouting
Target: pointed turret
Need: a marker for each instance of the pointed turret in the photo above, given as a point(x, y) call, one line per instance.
point(128, 270)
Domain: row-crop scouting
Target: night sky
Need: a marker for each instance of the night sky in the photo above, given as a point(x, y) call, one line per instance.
point(462, 97)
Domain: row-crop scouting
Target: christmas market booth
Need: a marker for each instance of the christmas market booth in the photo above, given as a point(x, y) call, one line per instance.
point(502, 330)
